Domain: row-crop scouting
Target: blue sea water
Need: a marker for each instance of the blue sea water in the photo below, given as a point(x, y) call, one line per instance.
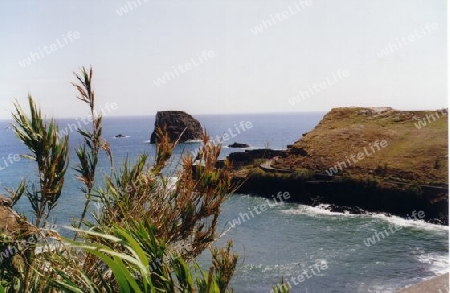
point(285, 240)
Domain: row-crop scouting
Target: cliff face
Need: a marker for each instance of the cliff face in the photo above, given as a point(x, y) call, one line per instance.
point(177, 122)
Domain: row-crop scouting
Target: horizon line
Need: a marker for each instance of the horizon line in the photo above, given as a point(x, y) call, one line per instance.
point(238, 113)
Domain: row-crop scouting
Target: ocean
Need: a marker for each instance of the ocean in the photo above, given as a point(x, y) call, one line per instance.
point(312, 248)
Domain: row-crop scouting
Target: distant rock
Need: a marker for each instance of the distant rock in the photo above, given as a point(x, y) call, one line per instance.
point(178, 123)
point(239, 145)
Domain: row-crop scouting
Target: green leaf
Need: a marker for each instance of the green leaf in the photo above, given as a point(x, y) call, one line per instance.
point(123, 277)
point(92, 233)
point(134, 246)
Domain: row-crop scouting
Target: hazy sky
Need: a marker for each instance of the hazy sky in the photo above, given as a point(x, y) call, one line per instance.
point(300, 47)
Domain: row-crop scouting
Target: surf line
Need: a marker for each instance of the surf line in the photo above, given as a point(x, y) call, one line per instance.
point(278, 199)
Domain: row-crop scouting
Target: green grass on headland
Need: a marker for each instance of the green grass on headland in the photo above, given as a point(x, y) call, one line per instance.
point(416, 150)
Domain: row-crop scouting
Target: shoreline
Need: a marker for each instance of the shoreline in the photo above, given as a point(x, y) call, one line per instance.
point(346, 195)
point(438, 284)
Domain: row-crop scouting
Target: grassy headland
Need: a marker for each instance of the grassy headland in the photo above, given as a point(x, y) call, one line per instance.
point(378, 159)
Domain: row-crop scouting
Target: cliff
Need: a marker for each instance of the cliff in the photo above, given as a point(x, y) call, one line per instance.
point(363, 159)
point(178, 123)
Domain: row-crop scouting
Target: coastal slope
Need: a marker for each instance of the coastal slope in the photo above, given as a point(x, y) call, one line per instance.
point(415, 145)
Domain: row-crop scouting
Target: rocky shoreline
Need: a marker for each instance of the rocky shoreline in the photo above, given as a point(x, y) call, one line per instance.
point(350, 196)
point(409, 175)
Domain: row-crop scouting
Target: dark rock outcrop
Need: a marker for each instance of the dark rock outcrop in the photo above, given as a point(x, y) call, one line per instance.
point(178, 123)
point(350, 196)
point(239, 145)
point(243, 158)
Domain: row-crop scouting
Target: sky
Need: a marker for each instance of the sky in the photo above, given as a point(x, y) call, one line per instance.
point(224, 56)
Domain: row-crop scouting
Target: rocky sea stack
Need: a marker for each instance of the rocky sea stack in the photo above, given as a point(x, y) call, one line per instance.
point(178, 123)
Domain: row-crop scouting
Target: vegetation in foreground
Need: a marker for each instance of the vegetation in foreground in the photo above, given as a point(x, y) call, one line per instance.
point(149, 232)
